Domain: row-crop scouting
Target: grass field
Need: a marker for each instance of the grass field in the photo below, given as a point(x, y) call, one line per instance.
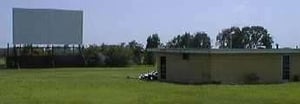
point(110, 86)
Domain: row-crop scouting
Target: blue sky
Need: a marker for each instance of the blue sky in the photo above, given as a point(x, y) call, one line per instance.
point(116, 21)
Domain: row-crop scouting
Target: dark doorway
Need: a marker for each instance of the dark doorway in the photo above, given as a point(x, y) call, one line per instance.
point(163, 67)
point(286, 67)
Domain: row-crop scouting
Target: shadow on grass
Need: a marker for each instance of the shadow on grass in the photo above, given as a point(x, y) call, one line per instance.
point(219, 83)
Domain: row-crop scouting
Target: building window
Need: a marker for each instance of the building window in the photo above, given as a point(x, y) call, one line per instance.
point(185, 56)
point(286, 67)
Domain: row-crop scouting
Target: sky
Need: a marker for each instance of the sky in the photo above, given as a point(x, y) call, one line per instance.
point(116, 21)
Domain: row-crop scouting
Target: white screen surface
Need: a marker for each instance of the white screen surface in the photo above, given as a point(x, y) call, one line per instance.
point(47, 26)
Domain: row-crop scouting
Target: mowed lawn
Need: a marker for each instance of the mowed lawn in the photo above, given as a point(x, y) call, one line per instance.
point(111, 86)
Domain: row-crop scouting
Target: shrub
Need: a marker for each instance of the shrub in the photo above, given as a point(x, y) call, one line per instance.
point(117, 56)
point(108, 55)
point(98, 59)
point(252, 78)
point(28, 50)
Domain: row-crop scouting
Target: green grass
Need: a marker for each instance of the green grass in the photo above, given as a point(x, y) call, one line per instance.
point(110, 86)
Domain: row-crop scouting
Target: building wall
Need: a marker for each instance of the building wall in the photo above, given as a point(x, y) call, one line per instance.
point(233, 68)
point(295, 65)
point(193, 70)
point(225, 68)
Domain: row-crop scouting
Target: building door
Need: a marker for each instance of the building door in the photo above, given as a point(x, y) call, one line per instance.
point(163, 67)
point(286, 67)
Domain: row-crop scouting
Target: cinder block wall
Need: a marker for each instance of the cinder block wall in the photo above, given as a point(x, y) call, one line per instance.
point(226, 68)
point(194, 70)
point(233, 68)
point(295, 65)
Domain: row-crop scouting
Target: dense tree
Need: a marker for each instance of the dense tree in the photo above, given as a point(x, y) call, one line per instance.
point(256, 36)
point(181, 41)
point(201, 40)
point(248, 37)
point(231, 38)
point(117, 55)
point(252, 37)
point(153, 41)
point(198, 40)
point(29, 50)
point(108, 55)
point(94, 56)
point(137, 50)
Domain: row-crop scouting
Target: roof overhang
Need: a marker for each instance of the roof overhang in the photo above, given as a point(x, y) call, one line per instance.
point(224, 51)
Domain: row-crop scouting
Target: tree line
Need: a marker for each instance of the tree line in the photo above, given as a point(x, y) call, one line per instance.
point(248, 37)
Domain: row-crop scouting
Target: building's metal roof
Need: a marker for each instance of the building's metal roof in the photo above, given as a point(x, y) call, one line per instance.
point(223, 51)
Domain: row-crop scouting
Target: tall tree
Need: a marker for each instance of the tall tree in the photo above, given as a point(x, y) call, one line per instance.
point(174, 43)
point(247, 37)
point(257, 36)
point(198, 40)
point(181, 41)
point(201, 40)
point(153, 41)
point(186, 40)
point(137, 50)
point(230, 38)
